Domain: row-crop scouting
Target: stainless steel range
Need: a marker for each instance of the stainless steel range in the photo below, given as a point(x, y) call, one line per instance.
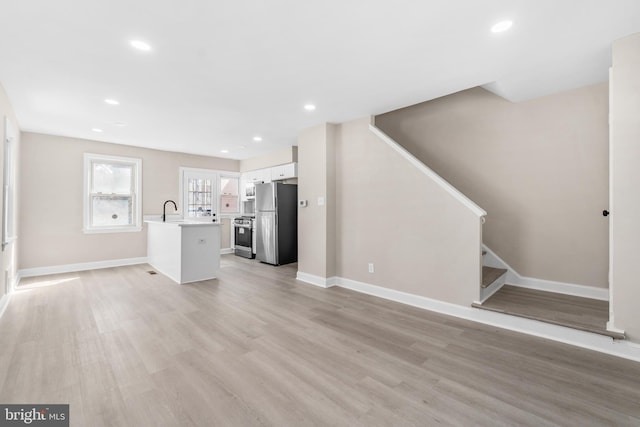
point(244, 232)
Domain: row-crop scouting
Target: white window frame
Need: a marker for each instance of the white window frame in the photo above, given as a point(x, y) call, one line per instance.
point(232, 176)
point(215, 175)
point(89, 158)
point(8, 186)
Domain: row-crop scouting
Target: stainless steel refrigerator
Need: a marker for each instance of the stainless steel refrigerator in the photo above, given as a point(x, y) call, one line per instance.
point(277, 223)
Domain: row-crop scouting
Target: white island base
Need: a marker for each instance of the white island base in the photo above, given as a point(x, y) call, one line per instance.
point(185, 251)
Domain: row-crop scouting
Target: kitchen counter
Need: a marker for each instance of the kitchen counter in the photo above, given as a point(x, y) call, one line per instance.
point(184, 250)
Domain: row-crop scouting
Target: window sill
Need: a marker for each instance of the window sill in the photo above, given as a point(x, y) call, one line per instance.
point(111, 230)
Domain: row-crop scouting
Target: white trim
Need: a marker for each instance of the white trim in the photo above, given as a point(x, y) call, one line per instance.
point(136, 193)
point(454, 192)
point(323, 282)
point(8, 186)
point(216, 175)
point(6, 299)
point(611, 208)
point(485, 293)
point(4, 303)
point(612, 328)
point(128, 229)
point(69, 268)
point(515, 279)
point(549, 331)
point(226, 251)
point(561, 288)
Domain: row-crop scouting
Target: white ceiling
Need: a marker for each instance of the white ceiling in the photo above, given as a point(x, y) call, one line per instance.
point(221, 72)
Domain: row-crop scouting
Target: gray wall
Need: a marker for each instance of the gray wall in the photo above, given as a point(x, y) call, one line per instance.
point(539, 168)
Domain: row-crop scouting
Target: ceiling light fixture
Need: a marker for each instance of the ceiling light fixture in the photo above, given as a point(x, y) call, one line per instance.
point(257, 138)
point(97, 130)
point(501, 26)
point(111, 102)
point(224, 151)
point(140, 45)
point(309, 107)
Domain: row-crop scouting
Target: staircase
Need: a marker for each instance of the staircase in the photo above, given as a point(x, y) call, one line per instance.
point(585, 314)
point(493, 279)
point(517, 298)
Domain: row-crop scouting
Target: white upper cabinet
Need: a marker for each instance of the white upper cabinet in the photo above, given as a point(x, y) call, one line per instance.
point(287, 171)
point(260, 175)
point(275, 173)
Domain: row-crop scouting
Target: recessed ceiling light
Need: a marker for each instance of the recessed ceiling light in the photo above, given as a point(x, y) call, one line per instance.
point(257, 138)
point(309, 107)
point(501, 26)
point(111, 102)
point(140, 45)
point(97, 130)
point(224, 151)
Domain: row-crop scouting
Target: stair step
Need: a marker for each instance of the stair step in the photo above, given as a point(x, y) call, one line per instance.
point(579, 313)
point(490, 274)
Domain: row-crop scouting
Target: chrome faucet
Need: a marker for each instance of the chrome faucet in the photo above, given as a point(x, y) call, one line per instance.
point(164, 208)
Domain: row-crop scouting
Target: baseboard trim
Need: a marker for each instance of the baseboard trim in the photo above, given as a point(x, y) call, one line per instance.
point(323, 282)
point(587, 340)
point(70, 268)
point(562, 288)
point(515, 279)
point(226, 251)
point(4, 303)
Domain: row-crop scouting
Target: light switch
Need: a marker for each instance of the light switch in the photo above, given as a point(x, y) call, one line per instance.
point(320, 201)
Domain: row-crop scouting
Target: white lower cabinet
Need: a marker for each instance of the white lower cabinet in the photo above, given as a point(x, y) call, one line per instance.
point(185, 251)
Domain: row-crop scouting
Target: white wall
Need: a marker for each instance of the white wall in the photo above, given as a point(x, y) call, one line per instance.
point(625, 186)
point(9, 257)
point(51, 177)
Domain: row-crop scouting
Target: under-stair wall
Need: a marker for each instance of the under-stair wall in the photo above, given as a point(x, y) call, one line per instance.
point(539, 168)
point(422, 236)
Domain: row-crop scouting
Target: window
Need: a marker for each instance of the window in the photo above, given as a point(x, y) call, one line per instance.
point(112, 194)
point(206, 194)
point(229, 194)
point(198, 194)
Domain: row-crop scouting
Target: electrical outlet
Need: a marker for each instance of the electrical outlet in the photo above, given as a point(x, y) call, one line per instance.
point(371, 267)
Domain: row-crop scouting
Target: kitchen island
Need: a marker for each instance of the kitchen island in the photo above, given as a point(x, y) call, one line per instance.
point(185, 251)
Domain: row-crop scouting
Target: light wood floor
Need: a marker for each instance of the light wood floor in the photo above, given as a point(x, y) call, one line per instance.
point(586, 314)
point(255, 347)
